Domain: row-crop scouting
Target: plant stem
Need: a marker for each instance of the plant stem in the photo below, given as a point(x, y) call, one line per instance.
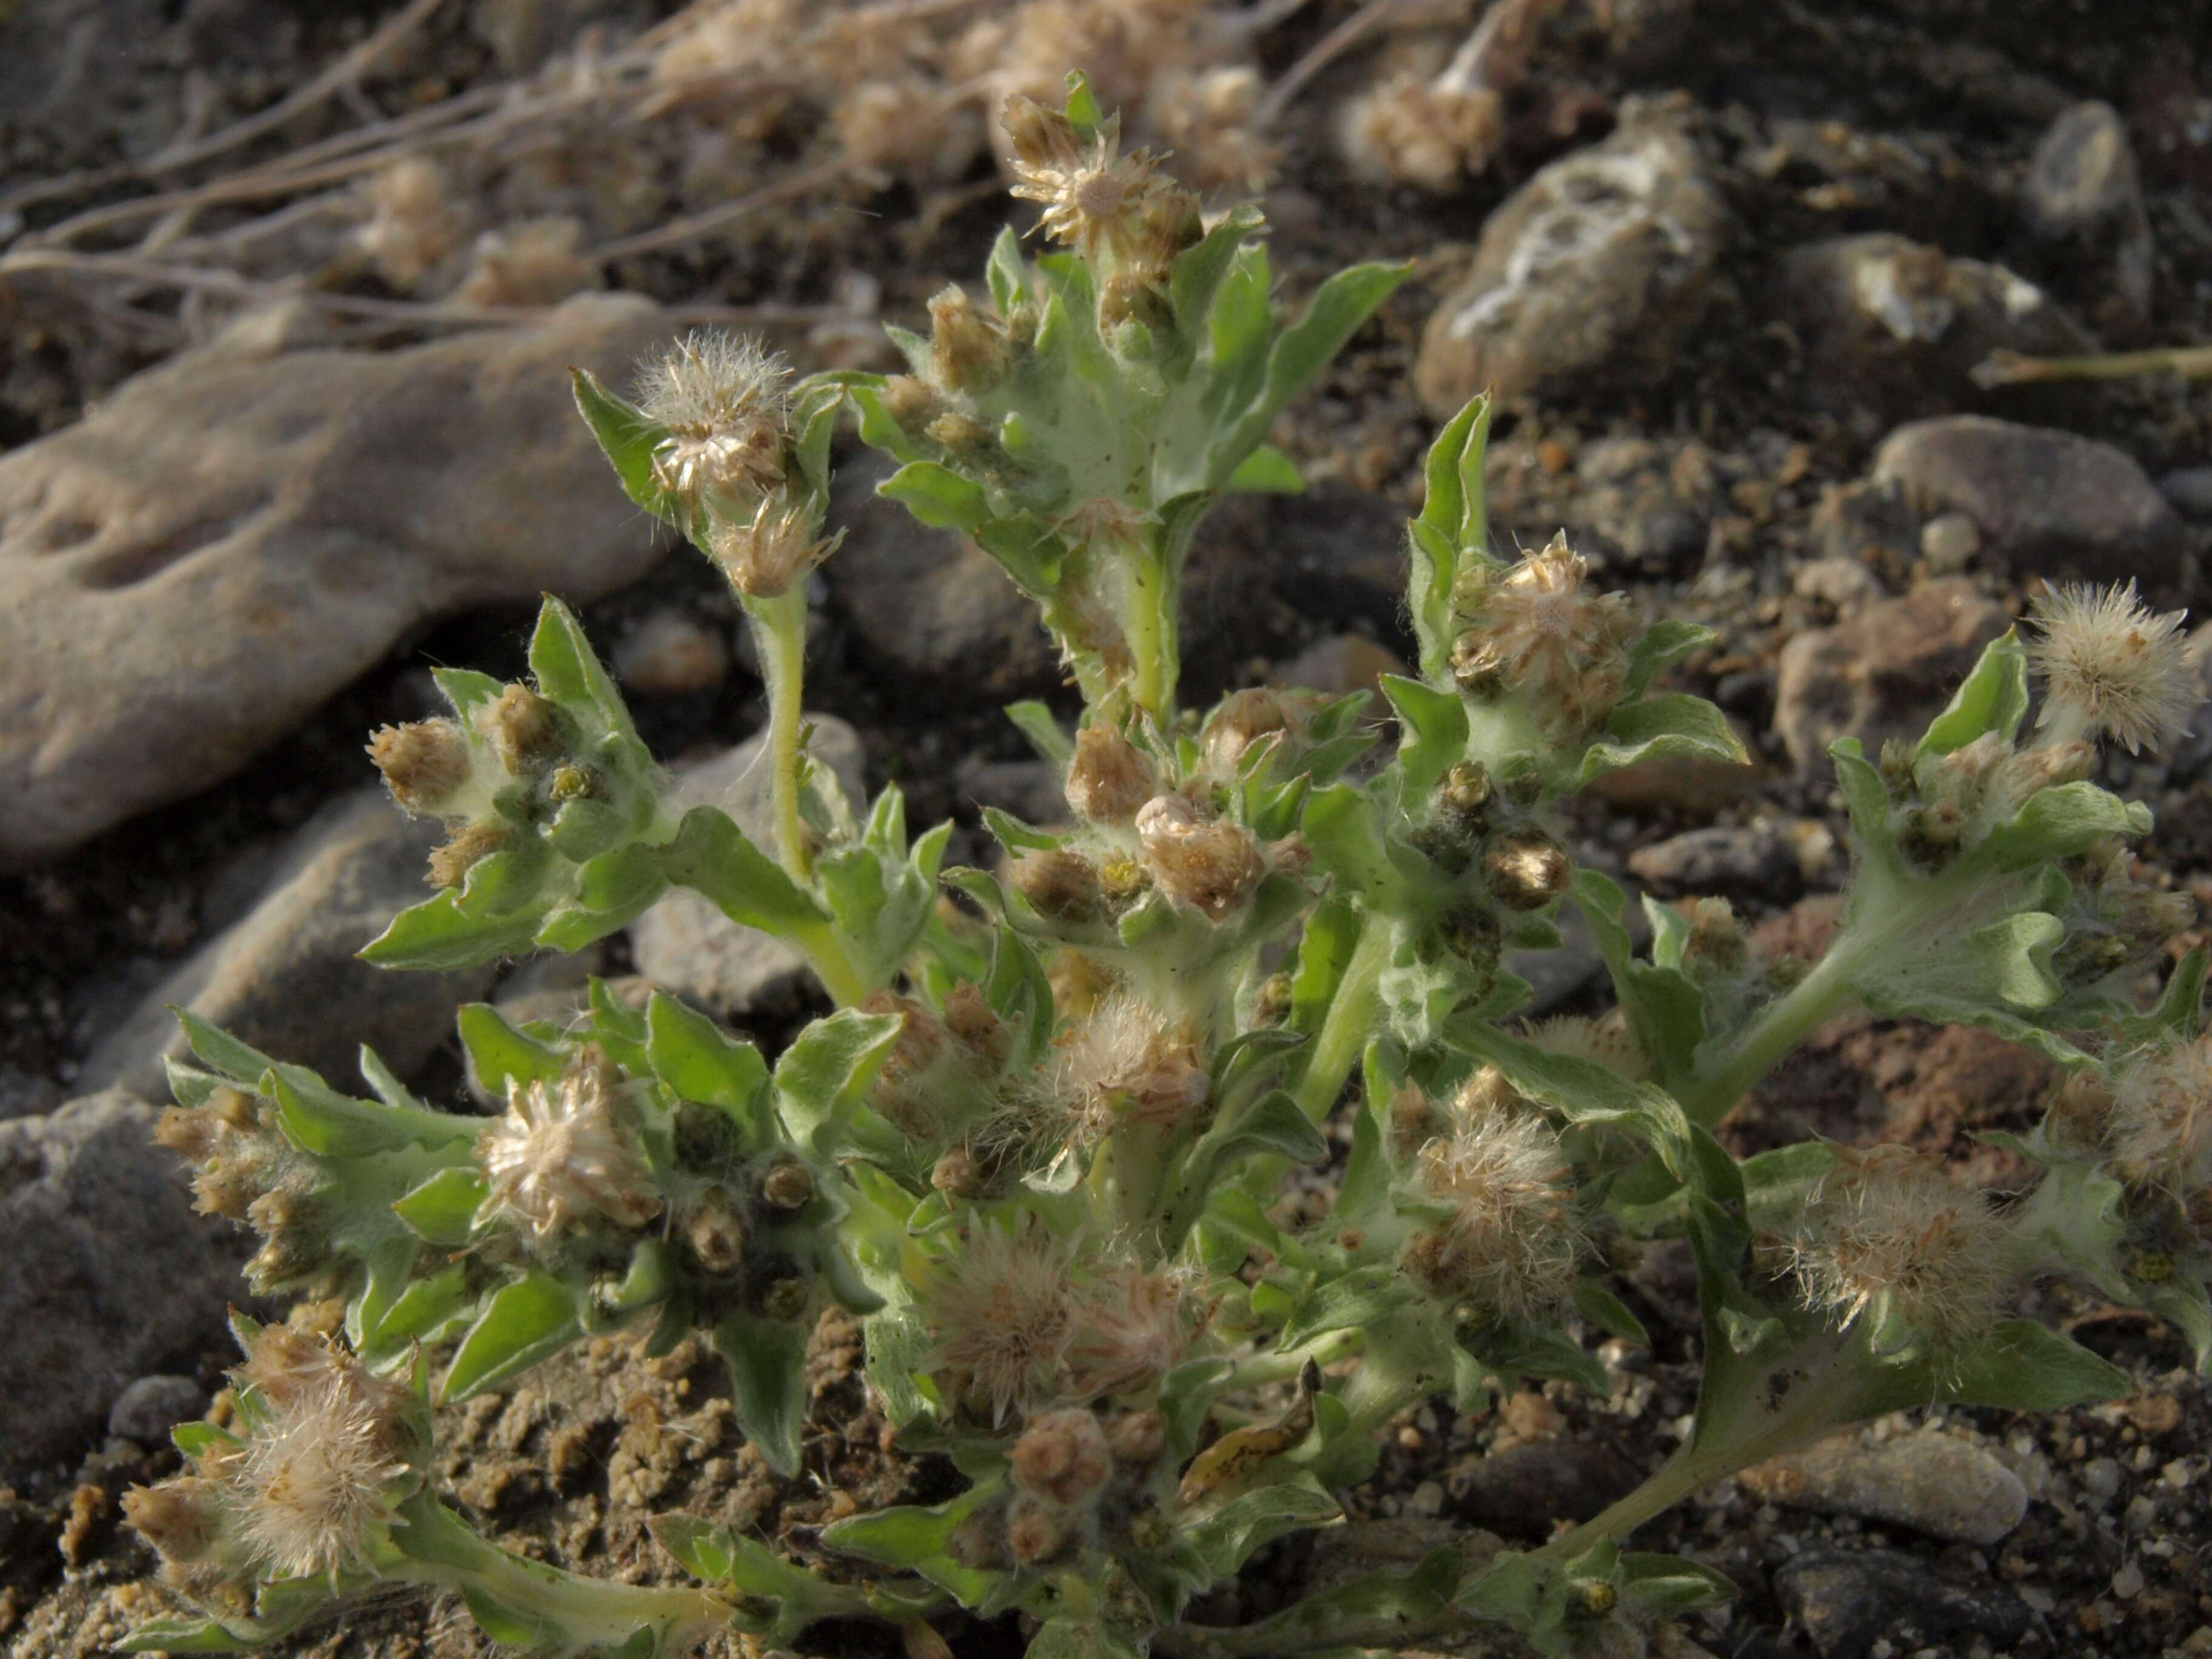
point(833, 965)
point(576, 1613)
point(1342, 1039)
point(778, 627)
point(1254, 1369)
point(1152, 625)
point(1817, 997)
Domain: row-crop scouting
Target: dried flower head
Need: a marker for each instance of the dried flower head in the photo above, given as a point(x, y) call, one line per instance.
point(1060, 884)
point(1108, 779)
point(1888, 1234)
point(1206, 116)
point(721, 397)
point(1527, 869)
point(1003, 1312)
point(1135, 1326)
point(764, 555)
point(1537, 631)
point(2160, 1130)
point(2111, 667)
point(522, 726)
point(1126, 1063)
point(1241, 721)
point(565, 1154)
point(1515, 1241)
point(968, 350)
point(1210, 864)
point(539, 262)
point(413, 224)
point(1093, 200)
point(468, 846)
point(1410, 131)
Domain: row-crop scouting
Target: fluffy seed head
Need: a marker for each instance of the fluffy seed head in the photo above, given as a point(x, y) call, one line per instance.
point(2111, 667)
point(1606, 1041)
point(565, 1154)
point(537, 263)
point(1887, 1234)
point(1126, 1064)
point(721, 397)
point(414, 225)
point(1061, 1456)
point(1003, 1312)
point(1108, 779)
point(1537, 631)
point(1514, 1240)
point(1134, 1329)
point(1210, 864)
point(2160, 1130)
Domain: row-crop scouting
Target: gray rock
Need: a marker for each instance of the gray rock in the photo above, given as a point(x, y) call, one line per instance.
point(151, 1407)
point(2189, 489)
point(25, 1093)
point(1847, 1601)
point(689, 948)
point(1884, 673)
point(2083, 189)
point(110, 1273)
point(1338, 663)
point(1724, 861)
point(1592, 272)
point(1520, 1491)
point(930, 611)
point(234, 536)
point(1929, 1481)
point(1555, 976)
point(1948, 542)
point(2049, 503)
point(284, 977)
point(1897, 325)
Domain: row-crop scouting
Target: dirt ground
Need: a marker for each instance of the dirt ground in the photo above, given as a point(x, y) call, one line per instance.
point(1817, 119)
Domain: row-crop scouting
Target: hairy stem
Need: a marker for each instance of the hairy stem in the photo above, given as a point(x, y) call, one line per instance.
point(1817, 997)
point(1151, 624)
point(778, 627)
point(1342, 1039)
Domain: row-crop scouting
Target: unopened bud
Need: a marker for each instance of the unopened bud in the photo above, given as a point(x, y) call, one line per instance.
point(1478, 668)
point(451, 863)
point(786, 1299)
point(715, 1232)
point(1037, 1532)
point(1527, 869)
point(1471, 931)
point(1058, 884)
point(1040, 137)
point(1486, 1095)
point(1716, 945)
point(1127, 297)
point(1108, 779)
point(1239, 723)
point(521, 728)
point(1411, 1121)
point(960, 1174)
point(190, 1134)
point(975, 1025)
point(1271, 1003)
point(423, 762)
point(1137, 1439)
point(2032, 769)
point(1061, 1456)
point(1463, 793)
point(910, 402)
point(788, 1187)
point(1211, 864)
point(957, 431)
point(764, 556)
point(967, 348)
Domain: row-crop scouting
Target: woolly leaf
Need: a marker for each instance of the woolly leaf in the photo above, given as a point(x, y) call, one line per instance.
point(523, 1323)
point(1992, 698)
point(766, 1361)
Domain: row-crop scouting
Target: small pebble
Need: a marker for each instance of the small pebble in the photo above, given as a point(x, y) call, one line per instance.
point(2100, 1479)
point(1428, 1499)
point(2128, 1581)
point(669, 654)
point(1931, 1482)
point(1948, 542)
point(147, 1409)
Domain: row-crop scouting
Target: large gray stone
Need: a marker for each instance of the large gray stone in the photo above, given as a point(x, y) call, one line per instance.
point(1594, 270)
point(2049, 503)
point(108, 1275)
point(235, 535)
point(1930, 1481)
point(687, 947)
point(284, 976)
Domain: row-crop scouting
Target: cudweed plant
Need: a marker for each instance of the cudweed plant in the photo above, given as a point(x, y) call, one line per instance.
point(1034, 1146)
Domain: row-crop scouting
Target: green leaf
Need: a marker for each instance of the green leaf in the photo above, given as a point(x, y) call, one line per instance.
point(936, 495)
point(768, 1383)
point(442, 1208)
point(1660, 647)
point(1667, 1586)
point(1302, 350)
point(1435, 733)
point(438, 936)
point(628, 438)
point(225, 1052)
point(1036, 723)
point(1266, 471)
point(182, 1636)
point(197, 1440)
point(1672, 724)
point(1198, 271)
point(1992, 698)
point(1609, 1314)
point(500, 1056)
point(569, 672)
point(701, 1548)
point(1273, 1123)
point(523, 1323)
point(1006, 274)
point(1228, 1536)
point(825, 1070)
point(2062, 821)
point(2023, 1365)
point(1354, 1299)
point(712, 856)
point(1453, 521)
point(694, 1056)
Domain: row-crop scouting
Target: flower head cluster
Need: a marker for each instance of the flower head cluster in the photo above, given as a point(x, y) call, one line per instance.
point(1514, 1241)
point(322, 1455)
point(245, 1170)
point(2111, 667)
point(2160, 1126)
point(1126, 1063)
point(1888, 1238)
point(1536, 631)
point(1003, 1310)
point(567, 1154)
